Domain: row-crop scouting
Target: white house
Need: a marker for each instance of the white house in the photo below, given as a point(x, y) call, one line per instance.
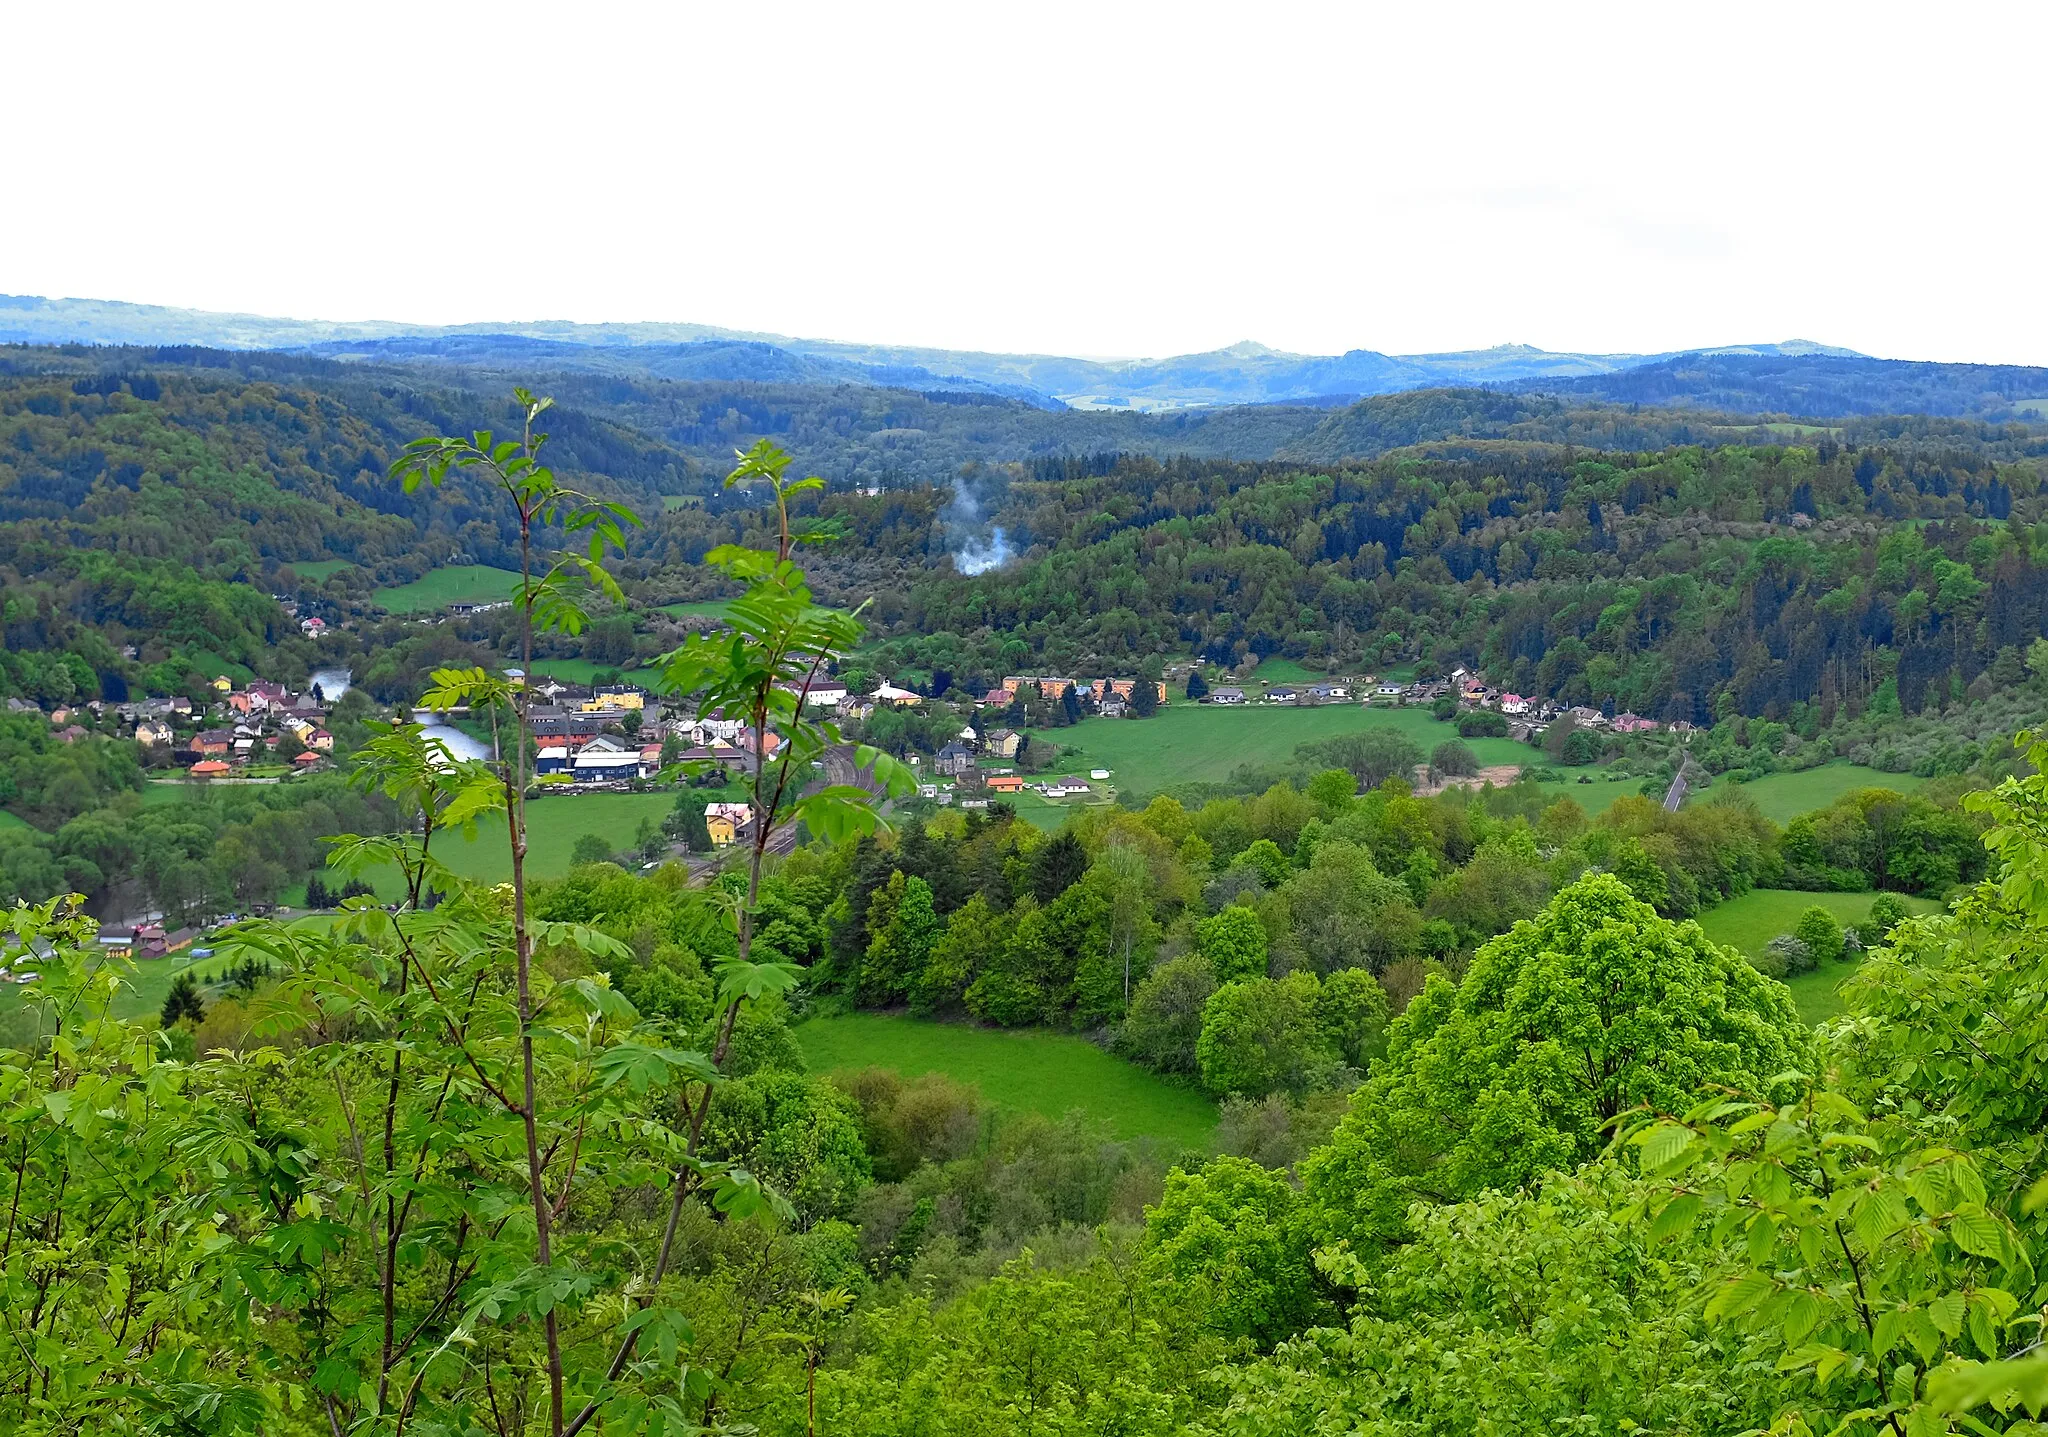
point(1513, 704)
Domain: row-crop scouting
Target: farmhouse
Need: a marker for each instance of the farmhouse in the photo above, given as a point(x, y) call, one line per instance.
point(1226, 696)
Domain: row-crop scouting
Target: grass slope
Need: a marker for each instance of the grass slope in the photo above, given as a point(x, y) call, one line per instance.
point(318, 570)
point(1784, 796)
point(554, 824)
point(456, 584)
point(1024, 1071)
point(1749, 922)
point(1186, 743)
point(574, 671)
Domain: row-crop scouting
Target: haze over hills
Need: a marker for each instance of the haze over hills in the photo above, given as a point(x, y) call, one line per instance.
point(1242, 373)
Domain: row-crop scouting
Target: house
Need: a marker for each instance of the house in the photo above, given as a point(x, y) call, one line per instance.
point(151, 941)
point(1587, 718)
point(604, 760)
point(1226, 696)
point(1067, 788)
point(1000, 697)
point(614, 698)
point(312, 628)
point(1113, 707)
point(728, 822)
point(1635, 723)
point(1389, 690)
point(551, 758)
point(210, 768)
point(954, 759)
point(1006, 783)
point(213, 742)
point(1048, 688)
point(223, 684)
point(153, 733)
point(857, 708)
point(1098, 774)
point(1513, 704)
point(902, 698)
point(1003, 743)
point(321, 739)
point(1282, 695)
point(1126, 688)
point(305, 760)
point(69, 735)
point(825, 693)
point(1329, 693)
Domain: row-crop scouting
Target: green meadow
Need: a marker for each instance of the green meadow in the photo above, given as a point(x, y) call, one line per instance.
point(1022, 1070)
point(456, 584)
point(1784, 796)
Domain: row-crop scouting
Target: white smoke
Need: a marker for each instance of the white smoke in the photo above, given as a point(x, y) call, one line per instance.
point(976, 549)
point(977, 557)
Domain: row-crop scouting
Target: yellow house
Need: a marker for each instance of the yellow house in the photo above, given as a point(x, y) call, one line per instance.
point(721, 829)
point(223, 685)
point(601, 702)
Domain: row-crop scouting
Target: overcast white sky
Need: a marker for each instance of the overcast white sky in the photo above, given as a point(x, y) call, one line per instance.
point(1082, 179)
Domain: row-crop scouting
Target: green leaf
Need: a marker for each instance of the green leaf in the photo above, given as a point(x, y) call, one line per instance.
point(1738, 1295)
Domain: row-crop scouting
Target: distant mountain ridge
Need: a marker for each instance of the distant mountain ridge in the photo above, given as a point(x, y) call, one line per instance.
point(1242, 373)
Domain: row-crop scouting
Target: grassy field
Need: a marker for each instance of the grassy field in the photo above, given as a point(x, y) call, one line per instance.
point(1749, 922)
point(456, 584)
point(1784, 796)
point(1595, 797)
point(147, 983)
point(573, 671)
point(1277, 670)
point(13, 820)
point(700, 608)
point(1024, 1071)
point(554, 824)
point(318, 570)
point(1187, 742)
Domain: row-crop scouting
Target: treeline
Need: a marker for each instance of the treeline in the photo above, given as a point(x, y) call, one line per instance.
point(206, 853)
point(1198, 935)
point(1831, 577)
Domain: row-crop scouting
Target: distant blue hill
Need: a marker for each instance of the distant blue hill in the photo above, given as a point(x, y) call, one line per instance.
point(1244, 373)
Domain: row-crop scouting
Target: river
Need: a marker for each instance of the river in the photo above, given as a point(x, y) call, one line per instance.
point(334, 682)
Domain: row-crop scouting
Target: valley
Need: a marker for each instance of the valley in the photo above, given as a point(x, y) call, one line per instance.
point(1237, 849)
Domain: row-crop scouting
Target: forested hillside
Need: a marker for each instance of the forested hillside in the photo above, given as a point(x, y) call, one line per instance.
point(1765, 578)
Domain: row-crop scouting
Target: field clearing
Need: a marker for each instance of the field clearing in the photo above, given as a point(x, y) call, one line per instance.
point(1286, 671)
point(1747, 923)
point(146, 983)
point(456, 584)
point(697, 608)
point(1597, 796)
point(1028, 1071)
point(1784, 796)
point(575, 671)
point(553, 824)
point(319, 570)
point(1188, 743)
point(13, 820)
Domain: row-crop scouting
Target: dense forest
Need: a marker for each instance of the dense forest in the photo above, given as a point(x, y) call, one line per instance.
point(1776, 580)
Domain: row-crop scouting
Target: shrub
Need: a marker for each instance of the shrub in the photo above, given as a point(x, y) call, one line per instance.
point(1483, 723)
point(1793, 957)
point(1821, 932)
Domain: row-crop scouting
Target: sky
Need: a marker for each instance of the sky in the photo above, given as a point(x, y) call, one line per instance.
point(1092, 179)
